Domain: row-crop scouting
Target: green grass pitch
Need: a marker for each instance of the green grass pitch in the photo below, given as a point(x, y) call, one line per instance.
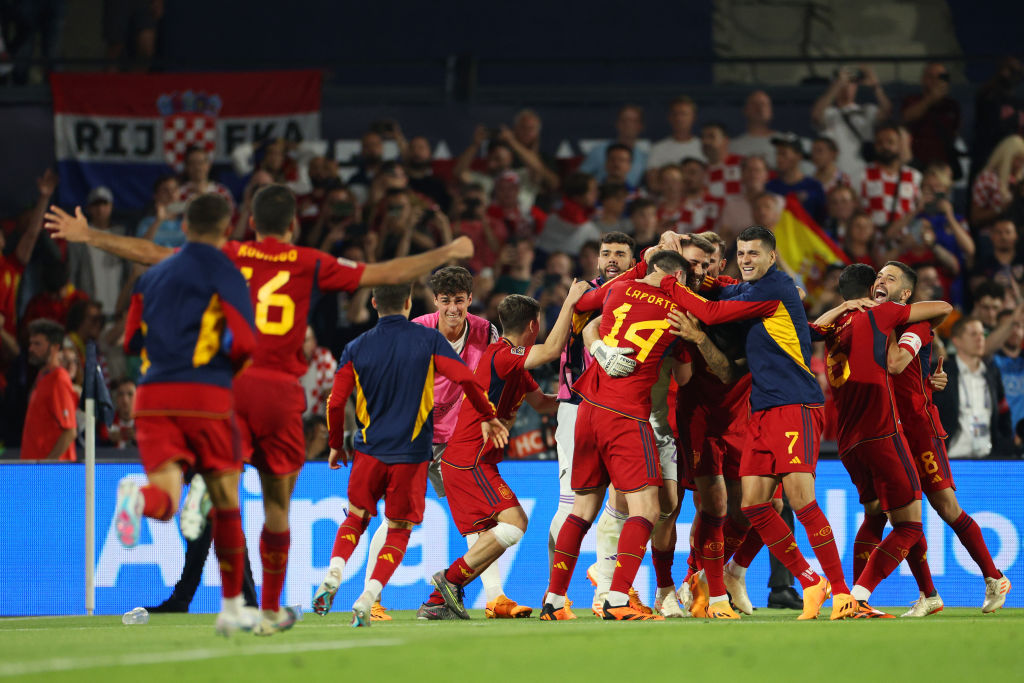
point(955, 645)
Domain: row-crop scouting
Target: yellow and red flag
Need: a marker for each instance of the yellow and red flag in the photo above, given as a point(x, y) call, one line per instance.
point(805, 247)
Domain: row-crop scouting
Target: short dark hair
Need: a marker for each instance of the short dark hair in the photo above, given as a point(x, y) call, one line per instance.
point(497, 144)
point(618, 145)
point(640, 204)
point(118, 383)
point(716, 241)
point(887, 125)
point(715, 124)
point(908, 273)
point(961, 323)
point(79, 311)
point(192, 149)
point(856, 280)
point(829, 142)
point(207, 215)
point(682, 99)
point(758, 232)
point(44, 327)
point(699, 241)
point(693, 160)
point(390, 299)
point(989, 288)
point(618, 238)
point(577, 184)
point(608, 190)
point(163, 179)
point(451, 280)
point(516, 311)
point(591, 244)
point(669, 261)
point(273, 210)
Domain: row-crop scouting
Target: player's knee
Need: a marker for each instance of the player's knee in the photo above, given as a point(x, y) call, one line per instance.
point(948, 509)
point(507, 534)
point(399, 524)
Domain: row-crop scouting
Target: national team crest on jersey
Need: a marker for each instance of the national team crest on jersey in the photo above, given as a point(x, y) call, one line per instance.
point(190, 120)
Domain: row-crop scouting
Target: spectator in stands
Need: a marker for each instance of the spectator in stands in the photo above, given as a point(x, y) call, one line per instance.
point(681, 144)
point(841, 204)
point(407, 229)
point(85, 322)
point(738, 210)
point(918, 243)
point(1000, 257)
point(570, 227)
point(837, 116)
point(420, 170)
point(1010, 361)
point(164, 225)
point(611, 217)
point(933, 118)
point(340, 220)
point(197, 177)
point(121, 432)
point(515, 267)
point(629, 125)
point(670, 195)
point(50, 423)
point(55, 299)
point(506, 208)
point(643, 219)
point(28, 20)
point(272, 156)
point(989, 300)
point(767, 210)
point(257, 181)
point(488, 234)
point(824, 156)
point(698, 210)
point(368, 163)
point(319, 376)
point(323, 176)
point(499, 160)
point(889, 190)
point(618, 160)
point(789, 153)
point(98, 273)
point(861, 241)
point(587, 261)
point(129, 30)
point(998, 111)
point(724, 169)
point(535, 176)
point(973, 407)
point(999, 183)
point(758, 137)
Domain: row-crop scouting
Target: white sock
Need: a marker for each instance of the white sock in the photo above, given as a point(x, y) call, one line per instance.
point(336, 563)
point(557, 521)
point(373, 589)
point(616, 599)
point(490, 577)
point(860, 593)
point(376, 544)
point(717, 598)
point(232, 605)
point(609, 528)
point(736, 570)
point(556, 601)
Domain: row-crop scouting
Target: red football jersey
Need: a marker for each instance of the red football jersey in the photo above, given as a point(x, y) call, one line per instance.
point(282, 281)
point(726, 405)
point(503, 374)
point(858, 372)
point(912, 388)
point(633, 316)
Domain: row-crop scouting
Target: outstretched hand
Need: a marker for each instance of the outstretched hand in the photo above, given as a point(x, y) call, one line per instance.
point(461, 247)
point(495, 433)
point(63, 225)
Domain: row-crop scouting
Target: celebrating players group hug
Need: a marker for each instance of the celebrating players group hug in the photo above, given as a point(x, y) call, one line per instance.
point(220, 327)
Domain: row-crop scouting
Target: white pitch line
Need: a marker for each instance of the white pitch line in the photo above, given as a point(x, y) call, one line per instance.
point(142, 658)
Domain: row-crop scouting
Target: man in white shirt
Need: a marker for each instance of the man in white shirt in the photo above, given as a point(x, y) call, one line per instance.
point(758, 138)
point(837, 114)
point(681, 144)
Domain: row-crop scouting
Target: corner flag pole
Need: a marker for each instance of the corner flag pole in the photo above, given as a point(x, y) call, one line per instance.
point(90, 505)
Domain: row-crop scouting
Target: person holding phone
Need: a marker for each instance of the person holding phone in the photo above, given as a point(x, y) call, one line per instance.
point(163, 225)
point(933, 118)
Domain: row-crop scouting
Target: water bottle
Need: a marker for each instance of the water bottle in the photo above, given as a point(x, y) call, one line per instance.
point(139, 615)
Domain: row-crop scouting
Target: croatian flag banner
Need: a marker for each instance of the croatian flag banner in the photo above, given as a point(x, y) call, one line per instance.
point(125, 131)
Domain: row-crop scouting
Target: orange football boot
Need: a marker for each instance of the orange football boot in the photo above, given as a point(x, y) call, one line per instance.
point(814, 598)
point(504, 608)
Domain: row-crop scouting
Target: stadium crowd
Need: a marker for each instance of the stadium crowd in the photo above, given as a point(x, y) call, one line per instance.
point(880, 179)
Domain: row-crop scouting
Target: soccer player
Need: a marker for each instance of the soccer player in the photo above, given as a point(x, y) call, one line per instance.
point(282, 280)
point(784, 430)
point(391, 368)
point(469, 335)
point(614, 440)
point(871, 442)
point(481, 502)
point(192, 321)
point(910, 363)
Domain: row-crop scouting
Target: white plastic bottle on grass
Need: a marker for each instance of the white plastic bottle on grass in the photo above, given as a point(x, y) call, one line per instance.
point(139, 615)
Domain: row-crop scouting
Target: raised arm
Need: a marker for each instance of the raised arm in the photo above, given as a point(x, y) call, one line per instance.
point(933, 311)
point(826, 99)
point(76, 229)
point(716, 312)
point(409, 268)
point(558, 337)
point(544, 404)
point(687, 327)
point(46, 184)
point(455, 370)
point(830, 316)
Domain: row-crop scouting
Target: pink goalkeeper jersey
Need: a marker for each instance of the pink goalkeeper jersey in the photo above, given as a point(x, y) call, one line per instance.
point(448, 395)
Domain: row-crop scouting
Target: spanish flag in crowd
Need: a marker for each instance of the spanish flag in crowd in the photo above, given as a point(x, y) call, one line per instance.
point(805, 247)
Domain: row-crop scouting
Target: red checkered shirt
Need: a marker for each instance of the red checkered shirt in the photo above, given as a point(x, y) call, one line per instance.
point(878, 193)
point(318, 380)
point(724, 178)
point(986, 193)
point(693, 215)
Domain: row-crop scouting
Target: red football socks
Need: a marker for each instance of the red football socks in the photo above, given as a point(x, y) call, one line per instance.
point(663, 566)
point(733, 536)
point(347, 538)
point(229, 544)
point(156, 503)
point(274, 554)
point(780, 541)
point(711, 552)
point(459, 572)
point(749, 549)
point(567, 550)
point(917, 560)
point(390, 556)
point(889, 553)
point(969, 533)
point(869, 535)
point(819, 533)
point(632, 548)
